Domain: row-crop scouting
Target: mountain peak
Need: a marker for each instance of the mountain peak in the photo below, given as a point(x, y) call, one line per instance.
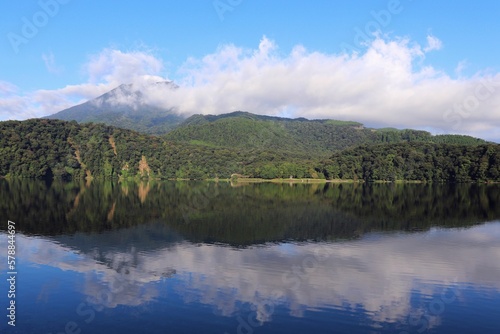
point(130, 94)
point(127, 106)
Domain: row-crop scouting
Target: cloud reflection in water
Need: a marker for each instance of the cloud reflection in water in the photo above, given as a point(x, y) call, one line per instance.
point(379, 272)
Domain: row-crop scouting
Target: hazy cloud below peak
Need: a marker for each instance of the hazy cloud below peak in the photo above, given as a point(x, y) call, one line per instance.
point(388, 84)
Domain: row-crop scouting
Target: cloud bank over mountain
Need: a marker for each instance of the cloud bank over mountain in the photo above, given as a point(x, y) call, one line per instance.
point(390, 83)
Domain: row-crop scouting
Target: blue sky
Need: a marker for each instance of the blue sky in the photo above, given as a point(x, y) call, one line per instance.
point(407, 63)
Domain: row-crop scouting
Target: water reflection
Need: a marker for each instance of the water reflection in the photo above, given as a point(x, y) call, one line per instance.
point(380, 255)
point(246, 215)
point(379, 273)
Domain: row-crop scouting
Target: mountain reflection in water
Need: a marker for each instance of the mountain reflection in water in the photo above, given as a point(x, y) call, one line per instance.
point(264, 253)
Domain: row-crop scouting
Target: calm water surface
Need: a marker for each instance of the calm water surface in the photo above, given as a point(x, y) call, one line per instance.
point(218, 258)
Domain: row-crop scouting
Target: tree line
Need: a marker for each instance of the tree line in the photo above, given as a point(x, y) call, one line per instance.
point(416, 161)
point(53, 149)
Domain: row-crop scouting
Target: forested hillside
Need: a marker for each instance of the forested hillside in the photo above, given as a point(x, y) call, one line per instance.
point(52, 148)
point(311, 138)
point(416, 161)
point(68, 150)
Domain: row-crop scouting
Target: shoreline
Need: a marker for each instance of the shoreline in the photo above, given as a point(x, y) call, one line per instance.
point(301, 181)
point(243, 180)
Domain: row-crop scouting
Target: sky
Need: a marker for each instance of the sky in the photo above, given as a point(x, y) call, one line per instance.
point(386, 63)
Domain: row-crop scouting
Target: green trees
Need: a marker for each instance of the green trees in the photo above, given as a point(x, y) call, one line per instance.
point(298, 137)
point(57, 149)
point(66, 150)
point(416, 162)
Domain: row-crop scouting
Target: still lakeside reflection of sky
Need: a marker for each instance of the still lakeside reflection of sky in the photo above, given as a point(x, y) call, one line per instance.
point(397, 281)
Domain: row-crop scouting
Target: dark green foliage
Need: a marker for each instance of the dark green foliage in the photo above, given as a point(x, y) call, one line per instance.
point(416, 161)
point(56, 149)
point(241, 143)
point(242, 130)
point(306, 138)
point(457, 139)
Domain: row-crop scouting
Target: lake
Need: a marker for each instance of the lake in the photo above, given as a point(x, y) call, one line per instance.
point(205, 257)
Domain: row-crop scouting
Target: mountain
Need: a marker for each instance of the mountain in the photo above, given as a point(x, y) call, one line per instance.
point(218, 146)
point(54, 149)
point(125, 107)
point(309, 138)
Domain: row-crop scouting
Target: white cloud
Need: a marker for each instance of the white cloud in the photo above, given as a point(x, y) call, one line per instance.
point(115, 67)
point(104, 71)
point(7, 88)
point(15, 107)
point(433, 43)
point(388, 84)
point(384, 86)
point(462, 65)
point(50, 63)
